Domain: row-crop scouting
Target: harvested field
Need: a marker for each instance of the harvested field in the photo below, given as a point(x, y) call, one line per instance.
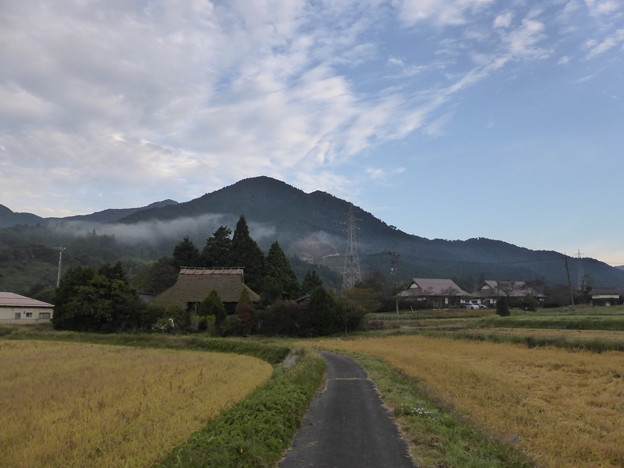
point(563, 408)
point(73, 404)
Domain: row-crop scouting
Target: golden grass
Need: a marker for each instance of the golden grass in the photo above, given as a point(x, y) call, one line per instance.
point(566, 407)
point(72, 404)
point(581, 335)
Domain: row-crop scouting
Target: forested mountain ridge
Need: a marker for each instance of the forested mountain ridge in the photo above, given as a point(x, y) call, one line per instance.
point(311, 226)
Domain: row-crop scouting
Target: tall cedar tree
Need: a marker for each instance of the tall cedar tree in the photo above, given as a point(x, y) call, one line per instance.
point(311, 281)
point(185, 253)
point(281, 281)
point(212, 305)
point(246, 253)
point(217, 250)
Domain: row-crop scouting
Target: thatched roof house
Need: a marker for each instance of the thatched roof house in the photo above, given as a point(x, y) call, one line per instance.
point(195, 284)
point(434, 292)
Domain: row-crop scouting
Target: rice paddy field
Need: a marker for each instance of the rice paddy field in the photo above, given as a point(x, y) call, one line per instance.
point(77, 404)
point(562, 408)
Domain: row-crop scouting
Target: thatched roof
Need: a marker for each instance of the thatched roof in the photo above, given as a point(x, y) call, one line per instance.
point(195, 284)
point(420, 287)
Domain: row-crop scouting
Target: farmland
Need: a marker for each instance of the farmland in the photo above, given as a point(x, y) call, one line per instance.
point(77, 404)
point(559, 407)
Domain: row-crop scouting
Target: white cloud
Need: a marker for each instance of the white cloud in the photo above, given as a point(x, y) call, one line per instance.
point(613, 40)
point(441, 12)
point(504, 20)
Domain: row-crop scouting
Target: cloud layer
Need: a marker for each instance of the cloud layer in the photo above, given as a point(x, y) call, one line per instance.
point(116, 103)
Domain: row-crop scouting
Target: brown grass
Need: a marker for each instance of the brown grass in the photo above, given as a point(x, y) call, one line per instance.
point(70, 404)
point(565, 408)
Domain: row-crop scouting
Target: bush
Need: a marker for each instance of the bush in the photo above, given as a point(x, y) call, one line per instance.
point(231, 326)
point(502, 308)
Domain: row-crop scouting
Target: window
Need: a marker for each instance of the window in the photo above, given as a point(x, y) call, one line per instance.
point(18, 315)
point(44, 315)
point(28, 314)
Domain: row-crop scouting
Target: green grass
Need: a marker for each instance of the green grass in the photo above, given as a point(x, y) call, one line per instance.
point(437, 436)
point(273, 354)
point(257, 431)
point(556, 321)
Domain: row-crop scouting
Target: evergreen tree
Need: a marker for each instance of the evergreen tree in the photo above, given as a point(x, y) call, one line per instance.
point(157, 277)
point(311, 281)
point(96, 300)
point(281, 281)
point(212, 305)
point(245, 253)
point(216, 253)
point(245, 312)
point(325, 313)
point(185, 253)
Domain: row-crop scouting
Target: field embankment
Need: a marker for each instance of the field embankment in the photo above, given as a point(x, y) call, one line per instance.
point(77, 404)
point(562, 408)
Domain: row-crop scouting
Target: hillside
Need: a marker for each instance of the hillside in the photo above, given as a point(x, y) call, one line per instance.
point(309, 225)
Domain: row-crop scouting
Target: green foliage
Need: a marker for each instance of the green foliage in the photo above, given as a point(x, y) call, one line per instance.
point(285, 318)
point(212, 305)
point(185, 253)
point(326, 314)
point(157, 277)
point(311, 281)
point(231, 326)
point(502, 308)
point(245, 253)
point(245, 312)
point(216, 253)
point(258, 430)
point(96, 300)
point(153, 312)
point(281, 281)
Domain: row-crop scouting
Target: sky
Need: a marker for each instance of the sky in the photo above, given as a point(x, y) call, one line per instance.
point(448, 119)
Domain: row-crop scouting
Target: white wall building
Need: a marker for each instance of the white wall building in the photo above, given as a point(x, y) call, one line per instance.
point(21, 310)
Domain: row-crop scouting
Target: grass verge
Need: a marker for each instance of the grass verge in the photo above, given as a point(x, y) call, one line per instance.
point(257, 431)
point(437, 437)
point(602, 322)
point(273, 354)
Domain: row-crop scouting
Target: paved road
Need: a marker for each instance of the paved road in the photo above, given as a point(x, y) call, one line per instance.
point(346, 425)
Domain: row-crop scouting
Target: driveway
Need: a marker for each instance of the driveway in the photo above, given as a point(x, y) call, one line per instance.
point(347, 424)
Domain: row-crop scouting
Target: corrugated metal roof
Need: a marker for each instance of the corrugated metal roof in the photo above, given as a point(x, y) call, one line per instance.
point(9, 299)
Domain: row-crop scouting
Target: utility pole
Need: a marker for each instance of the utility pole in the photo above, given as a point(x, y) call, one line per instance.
point(580, 274)
point(394, 257)
point(351, 273)
point(569, 282)
point(60, 262)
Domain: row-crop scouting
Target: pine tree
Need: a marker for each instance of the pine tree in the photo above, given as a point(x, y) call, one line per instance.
point(311, 281)
point(216, 253)
point(185, 253)
point(245, 253)
point(281, 281)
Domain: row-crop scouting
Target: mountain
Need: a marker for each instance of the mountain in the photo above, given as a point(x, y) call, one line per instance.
point(10, 218)
point(312, 226)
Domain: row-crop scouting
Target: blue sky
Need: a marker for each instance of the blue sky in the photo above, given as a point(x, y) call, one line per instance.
point(449, 119)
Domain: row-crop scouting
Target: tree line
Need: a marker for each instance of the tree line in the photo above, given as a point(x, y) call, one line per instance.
point(104, 300)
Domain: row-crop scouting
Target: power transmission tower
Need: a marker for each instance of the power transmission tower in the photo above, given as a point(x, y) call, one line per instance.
point(351, 273)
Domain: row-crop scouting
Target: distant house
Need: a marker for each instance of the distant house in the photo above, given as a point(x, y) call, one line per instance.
point(606, 296)
point(491, 290)
point(433, 292)
point(22, 310)
point(195, 284)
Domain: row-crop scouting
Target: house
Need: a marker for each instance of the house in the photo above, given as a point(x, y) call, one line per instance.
point(22, 310)
point(491, 290)
point(606, 297)
point(195, 284)
point(433, 292)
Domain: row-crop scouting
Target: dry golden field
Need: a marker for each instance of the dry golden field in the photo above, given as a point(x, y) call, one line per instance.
point(79, 405)
point(576, 335)
point(566, 408)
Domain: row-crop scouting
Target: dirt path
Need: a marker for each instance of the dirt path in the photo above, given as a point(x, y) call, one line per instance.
point(346, 425)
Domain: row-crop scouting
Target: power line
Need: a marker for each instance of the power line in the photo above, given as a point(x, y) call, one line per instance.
point(351, 273)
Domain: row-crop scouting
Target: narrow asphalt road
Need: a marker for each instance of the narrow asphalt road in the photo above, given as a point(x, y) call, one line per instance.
point(347, 425)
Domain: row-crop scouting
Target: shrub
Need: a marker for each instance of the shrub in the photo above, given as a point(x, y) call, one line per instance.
point(502, 308)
